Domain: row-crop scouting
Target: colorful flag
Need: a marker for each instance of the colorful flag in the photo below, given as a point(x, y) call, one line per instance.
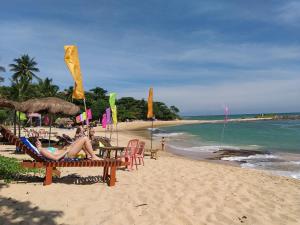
point(21, 115)
point(89, 114)
point(104, 120)
point(108, 116)
point(112, 100)
point(114, 115)
point(83, 116)
point(72, 61)
point(150, 104)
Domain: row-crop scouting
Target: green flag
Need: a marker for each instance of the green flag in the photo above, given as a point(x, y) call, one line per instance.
point(112, 100)
point(21, 115)
point(114, 114)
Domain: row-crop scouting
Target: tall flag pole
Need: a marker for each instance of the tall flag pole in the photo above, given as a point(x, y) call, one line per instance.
point(150, 111)
point(113, 107)
point(72, 61)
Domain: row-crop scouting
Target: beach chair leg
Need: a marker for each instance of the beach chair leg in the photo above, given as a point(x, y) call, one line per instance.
point(136, 165)
point(112, 180)
point(105, 173)
point(48, 176)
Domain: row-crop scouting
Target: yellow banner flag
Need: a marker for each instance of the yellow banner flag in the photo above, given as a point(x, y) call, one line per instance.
point(72, 61)
point(150, 104)
point(114, 114)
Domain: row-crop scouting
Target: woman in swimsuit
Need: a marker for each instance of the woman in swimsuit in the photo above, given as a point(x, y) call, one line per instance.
point(71, 151)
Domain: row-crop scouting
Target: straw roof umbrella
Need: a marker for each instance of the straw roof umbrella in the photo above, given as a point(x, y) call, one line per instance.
point(9, 104)
point(50, 105)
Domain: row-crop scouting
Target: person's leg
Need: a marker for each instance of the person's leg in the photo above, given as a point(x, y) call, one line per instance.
point(82, 144)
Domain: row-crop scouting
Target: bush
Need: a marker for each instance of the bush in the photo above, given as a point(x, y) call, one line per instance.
point(11, 169)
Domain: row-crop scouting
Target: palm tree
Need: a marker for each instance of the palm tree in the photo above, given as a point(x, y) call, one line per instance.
point(23, 75)
point(2, 69)
point(47, 88)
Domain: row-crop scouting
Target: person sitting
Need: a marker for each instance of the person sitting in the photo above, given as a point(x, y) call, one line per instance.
point(71, 151)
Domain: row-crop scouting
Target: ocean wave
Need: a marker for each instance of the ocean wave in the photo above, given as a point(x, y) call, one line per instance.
point(168, 134)
point(284, 168)
point(206, 148)
point(153, 129)
point(251, 157)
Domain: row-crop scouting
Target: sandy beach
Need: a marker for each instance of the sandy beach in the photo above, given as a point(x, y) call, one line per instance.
point(170, 190)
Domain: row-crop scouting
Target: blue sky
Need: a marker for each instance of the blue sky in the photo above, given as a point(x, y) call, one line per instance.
point(197, 55)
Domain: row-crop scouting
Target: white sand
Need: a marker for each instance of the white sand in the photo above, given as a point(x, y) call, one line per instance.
point(170, 190)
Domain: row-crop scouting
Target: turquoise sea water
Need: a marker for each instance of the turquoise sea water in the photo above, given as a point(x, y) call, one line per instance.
point(280, 138)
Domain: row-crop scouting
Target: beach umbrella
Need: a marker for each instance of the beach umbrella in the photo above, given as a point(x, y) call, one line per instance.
point(5, 103)
point(50, 105)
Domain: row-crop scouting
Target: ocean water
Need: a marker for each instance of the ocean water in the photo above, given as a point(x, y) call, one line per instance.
point(278, 140)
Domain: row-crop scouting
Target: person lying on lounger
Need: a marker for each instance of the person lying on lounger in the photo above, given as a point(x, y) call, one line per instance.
point(71, 151)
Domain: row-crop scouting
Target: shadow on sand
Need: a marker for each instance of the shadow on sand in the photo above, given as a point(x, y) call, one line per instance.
point(16, 212)
point(74, 179)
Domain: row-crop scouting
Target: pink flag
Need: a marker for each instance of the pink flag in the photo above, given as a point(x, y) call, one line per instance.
point(226, 113)
point(89, 114)
point(108, 116)
point(104, 120)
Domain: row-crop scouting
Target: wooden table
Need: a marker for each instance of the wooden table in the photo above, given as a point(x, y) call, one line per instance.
point(109, 149)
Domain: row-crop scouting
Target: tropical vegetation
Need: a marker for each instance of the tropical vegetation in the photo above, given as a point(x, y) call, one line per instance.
point(26, 84)
point(11, 169)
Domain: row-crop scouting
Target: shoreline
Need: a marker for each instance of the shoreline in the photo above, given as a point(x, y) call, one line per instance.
point(227, 156)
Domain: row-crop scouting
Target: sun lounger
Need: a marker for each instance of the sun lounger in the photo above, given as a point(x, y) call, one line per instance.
point(109, 165)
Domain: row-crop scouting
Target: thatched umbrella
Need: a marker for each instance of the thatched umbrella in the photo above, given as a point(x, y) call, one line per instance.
point(50, 105)
point(9, 104)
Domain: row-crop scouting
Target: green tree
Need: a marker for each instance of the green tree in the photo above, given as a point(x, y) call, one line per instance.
point(47, 88)
point(174, 109)
point(2, 69)
point(23, 69)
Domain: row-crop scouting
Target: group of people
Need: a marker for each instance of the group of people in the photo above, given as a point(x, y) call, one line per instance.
point(82, 142)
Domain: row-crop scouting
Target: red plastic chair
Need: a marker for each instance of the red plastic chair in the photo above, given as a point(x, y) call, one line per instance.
point(130, 152)
point(140, 153)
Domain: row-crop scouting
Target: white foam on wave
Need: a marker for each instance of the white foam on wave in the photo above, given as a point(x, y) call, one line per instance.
point(245, 158)
point(205, 148)
point(285, 168)
point(153, 129)
point(168, 134)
